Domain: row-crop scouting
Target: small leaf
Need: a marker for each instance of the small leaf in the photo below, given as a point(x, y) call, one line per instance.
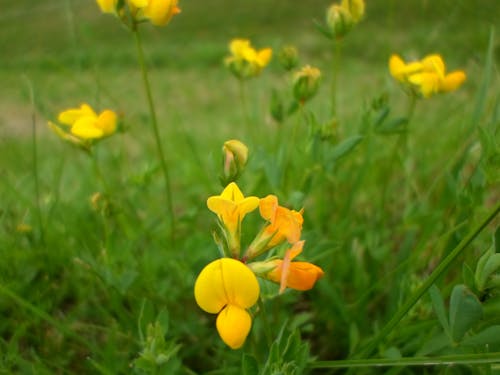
point(380, 116)
point(344, 147)
point(397, 125)
point(488, 336)
point(465, 311)
point(468, 275)
point(323, 29)
point(439, 309)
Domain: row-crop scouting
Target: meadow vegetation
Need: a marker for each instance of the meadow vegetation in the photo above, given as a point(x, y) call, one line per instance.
point(400, 194)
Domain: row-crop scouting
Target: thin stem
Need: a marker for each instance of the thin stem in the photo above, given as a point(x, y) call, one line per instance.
point(154, 124)
point(481, 358)
point(244, 106)
point(36, 177)
point(438, 271)
point(337, 54)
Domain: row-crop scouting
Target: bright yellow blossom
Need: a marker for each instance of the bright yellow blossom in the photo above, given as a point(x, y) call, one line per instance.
point(295, 275)
point(231, 207)
point(245, 61)
point(227, 287)
point(84, 124)
point(158, 12)
point(427, 76)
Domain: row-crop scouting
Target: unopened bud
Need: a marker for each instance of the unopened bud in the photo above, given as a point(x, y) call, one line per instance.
point(356, 8)
point(235, 158)
point(306, 83)
point(288, 57)
point(339, 20)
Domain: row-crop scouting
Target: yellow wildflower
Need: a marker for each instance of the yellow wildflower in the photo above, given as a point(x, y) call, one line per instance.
point(245, 61)
point(231, 207)
point(235, 158)
point(158, 12)
point(85, 125)
point(227, 287)
point(426, 77)
point(339, 20)
point(306, 83)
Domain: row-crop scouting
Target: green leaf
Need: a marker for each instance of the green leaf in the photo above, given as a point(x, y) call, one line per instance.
point(468, 275)
point(465, 311)
point(439, 309)
point(488, 336)
point(398, 125)
point(323, 29)
point(344, 147)
point(380, 116)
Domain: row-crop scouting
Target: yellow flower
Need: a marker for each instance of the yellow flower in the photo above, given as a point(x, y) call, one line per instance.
point(107, 6)
point(433, 78)
point(426, 77)
point(284, 225)
point(158, 12)
point(295, 275)
point(85, 125)
point(245, 61)
point(402, 71)
point(339, 20)
point(227, 287)
point(231, 207)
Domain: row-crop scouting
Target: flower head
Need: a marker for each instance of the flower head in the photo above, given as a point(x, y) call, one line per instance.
point(427, 76)
point(231, 207)
point(356, 9)
point(295, 275)
point(83, 125)
point(245, 61)
point(284, 225)
point(158, 12)
point(227, 287)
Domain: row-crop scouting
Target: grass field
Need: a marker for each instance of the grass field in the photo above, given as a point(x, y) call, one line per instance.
point(400, 203)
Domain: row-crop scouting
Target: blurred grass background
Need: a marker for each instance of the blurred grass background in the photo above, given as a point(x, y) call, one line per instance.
point(69, 53)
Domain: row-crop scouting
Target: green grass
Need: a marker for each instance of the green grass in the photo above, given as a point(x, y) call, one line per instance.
point(78, 291)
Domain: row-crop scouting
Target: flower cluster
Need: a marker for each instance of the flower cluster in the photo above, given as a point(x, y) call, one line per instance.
point(158, 12)
point(83, 126)
point(426, 77)
point(228, 286)
point(245, 61)
point(340, 19)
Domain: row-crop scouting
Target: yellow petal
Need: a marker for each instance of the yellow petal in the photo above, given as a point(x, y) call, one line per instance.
point(139, 3)
point(107, 122)
point(453, 81)
point(232, 192)
point(427, 83)
point(238, 46)
point(226, 281)
point(85, 128)
point(264, 56)
point(233, 325)
point(434, 64)
point(70, 116)
point(107, 6)
point(268, 206)
point(159, 12)
point(396, 66)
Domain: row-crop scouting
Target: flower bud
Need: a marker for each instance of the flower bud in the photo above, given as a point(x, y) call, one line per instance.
point(339, 20)
point(288, 57)
point(235, 158)
point(306, 83)
point(356, 9)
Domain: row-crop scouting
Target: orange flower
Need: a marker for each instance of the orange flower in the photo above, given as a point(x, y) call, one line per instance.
point(295, 275)
point(284, 225)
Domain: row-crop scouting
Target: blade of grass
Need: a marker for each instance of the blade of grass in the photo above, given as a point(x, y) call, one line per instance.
point(438, 271)
point(465, 359)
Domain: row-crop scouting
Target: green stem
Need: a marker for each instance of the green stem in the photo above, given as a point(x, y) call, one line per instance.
point(36, 177)
point(469, 359)
point(337, 54)
point(438, 271)
point(267, 327)
point(244, 107)
point(154, 123)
